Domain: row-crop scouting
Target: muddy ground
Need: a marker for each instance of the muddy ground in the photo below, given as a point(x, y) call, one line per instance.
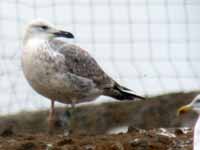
point(134, 139)
point(152, 125)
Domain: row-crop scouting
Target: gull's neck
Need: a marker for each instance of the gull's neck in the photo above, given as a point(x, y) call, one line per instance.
point(36, 42)
point(196, 139)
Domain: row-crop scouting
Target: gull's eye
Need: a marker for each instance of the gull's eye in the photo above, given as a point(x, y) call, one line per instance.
point(44, 27)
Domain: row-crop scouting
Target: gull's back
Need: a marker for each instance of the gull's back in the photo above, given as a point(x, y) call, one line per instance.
point(79, 62)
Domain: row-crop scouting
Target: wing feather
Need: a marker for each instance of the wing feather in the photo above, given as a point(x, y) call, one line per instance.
point(79, 62)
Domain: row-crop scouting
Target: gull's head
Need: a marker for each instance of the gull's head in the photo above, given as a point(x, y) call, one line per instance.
point(44, 30)
point(194, 105)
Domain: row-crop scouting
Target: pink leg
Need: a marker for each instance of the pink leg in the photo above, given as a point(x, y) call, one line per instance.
point(72, 110)
point(51, 118)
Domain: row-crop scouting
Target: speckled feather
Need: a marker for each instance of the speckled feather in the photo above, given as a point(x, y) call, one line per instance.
point(79, 62)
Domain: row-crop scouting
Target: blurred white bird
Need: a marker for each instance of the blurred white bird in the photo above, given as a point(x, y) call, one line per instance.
point(64, 72)
point(195, 106)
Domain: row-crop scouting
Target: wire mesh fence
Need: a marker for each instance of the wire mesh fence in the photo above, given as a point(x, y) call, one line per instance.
point(151, 46)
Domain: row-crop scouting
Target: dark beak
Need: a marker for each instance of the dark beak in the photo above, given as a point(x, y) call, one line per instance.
point(64, 34)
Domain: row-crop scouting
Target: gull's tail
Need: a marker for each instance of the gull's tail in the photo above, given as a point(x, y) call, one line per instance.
point(121, 93)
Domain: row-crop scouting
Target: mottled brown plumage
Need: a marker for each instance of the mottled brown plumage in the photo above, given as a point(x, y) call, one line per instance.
point(79, 62)
point(62, 71)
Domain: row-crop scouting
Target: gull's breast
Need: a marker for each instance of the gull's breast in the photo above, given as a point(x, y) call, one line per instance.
point(43, 68)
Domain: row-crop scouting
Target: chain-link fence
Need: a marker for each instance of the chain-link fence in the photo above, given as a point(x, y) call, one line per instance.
point(151, 46)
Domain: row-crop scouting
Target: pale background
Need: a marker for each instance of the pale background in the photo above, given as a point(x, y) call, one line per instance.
point(151, 46)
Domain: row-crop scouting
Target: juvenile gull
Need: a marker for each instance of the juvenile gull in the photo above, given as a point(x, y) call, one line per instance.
point(64, 72)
